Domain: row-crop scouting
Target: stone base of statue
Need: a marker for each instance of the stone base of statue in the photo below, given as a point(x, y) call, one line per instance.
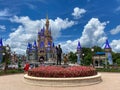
point(50, 62)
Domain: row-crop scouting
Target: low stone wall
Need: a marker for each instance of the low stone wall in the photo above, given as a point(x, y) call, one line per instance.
point(77, 81)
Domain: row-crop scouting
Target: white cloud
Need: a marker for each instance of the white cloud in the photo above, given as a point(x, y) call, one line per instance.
point(4, 12)
point(93, 34)
point(59, 24)
point(78, 12)
point(115, 30)
point(2, 27)
point(69, 46)
point(115, 45)
point(27, 31)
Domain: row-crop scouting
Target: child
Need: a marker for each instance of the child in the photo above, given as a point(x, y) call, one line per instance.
point(65, 59)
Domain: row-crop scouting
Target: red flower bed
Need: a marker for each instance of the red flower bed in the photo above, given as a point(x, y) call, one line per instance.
point(59, 71)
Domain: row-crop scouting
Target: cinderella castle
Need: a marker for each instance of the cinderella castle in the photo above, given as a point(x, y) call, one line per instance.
point(43, 48)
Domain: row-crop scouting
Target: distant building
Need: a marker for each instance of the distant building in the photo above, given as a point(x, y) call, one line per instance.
point(99, 59)
point(14, 58)
point(44, 49)
point(103, 58)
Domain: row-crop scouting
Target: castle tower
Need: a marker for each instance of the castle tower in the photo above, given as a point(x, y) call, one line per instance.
point(43, 49)
point(28, 51)
point(108, 51)
point(1, 50)
point(45, 42)
point(47, 23)
point(35, 51)
point(79, 51)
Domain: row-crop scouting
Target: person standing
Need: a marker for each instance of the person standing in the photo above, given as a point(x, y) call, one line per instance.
point(26, 68)
point(59, 53)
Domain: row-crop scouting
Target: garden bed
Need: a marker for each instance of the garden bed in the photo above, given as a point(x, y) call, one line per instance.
point(64, 72)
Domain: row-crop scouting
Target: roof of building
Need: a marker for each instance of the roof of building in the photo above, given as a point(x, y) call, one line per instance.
point(1, 44)
point(34, 44)
point(79, 46)
point(29, 46)
point(107, 46)
point(100, 53)
point(53, 45)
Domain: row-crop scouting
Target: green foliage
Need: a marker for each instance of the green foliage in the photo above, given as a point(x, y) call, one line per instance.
point(116, 58)
point(72, 57)
point(13, 71)
point(108, 69)
point(98, 49)
point(118, 61)
point(88, 59)
point(19, 63)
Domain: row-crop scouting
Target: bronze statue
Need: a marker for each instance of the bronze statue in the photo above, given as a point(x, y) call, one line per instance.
point(59, 53)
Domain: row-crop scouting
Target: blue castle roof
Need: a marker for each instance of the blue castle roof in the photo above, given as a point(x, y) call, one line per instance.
point(29, 46)
point(107, 46)
point(34, 44)
point(1, 44)
point(53, 45)
point(79, 46)
point(100, 53)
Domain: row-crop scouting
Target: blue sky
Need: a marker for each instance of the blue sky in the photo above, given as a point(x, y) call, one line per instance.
point(89, 21)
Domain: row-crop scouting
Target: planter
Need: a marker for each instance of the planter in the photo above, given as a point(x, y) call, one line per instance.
point(61, 82)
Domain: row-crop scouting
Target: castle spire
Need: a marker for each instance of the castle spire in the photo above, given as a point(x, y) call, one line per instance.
point(34, 45)
point(53, 45)
point(107, 46)
point(47, 22)
point(79, 46)
point(28, 46)
point(1, 44)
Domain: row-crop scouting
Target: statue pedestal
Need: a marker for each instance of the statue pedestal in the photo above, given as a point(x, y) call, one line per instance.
point(49, 62)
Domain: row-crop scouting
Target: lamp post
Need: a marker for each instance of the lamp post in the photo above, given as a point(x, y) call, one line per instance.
point(83, 58)
point(92, 50)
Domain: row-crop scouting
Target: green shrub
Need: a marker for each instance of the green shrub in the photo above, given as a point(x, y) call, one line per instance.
point(108, 69)
point(14, 71)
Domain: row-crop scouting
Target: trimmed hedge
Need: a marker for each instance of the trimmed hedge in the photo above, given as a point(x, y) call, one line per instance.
point(12, 71)
point(108, 69)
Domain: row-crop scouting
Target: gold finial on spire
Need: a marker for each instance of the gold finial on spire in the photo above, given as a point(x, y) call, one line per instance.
point(47, 17)
point(47, 22)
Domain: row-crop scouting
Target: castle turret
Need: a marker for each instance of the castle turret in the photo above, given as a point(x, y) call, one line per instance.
point(108, 51)
point(34, 52)
point(107, 47)
point(1, 44)
point(47, 23)
point(28, 52)
point(1, 50)
point(79, 50)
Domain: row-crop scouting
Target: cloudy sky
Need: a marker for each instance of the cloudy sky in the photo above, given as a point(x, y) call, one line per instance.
point(89, 21)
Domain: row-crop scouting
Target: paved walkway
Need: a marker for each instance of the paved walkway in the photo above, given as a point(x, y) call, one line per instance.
point(111, 81)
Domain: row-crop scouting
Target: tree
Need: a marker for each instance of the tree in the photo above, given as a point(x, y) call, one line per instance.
point(88, 59)
point(72, 57)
